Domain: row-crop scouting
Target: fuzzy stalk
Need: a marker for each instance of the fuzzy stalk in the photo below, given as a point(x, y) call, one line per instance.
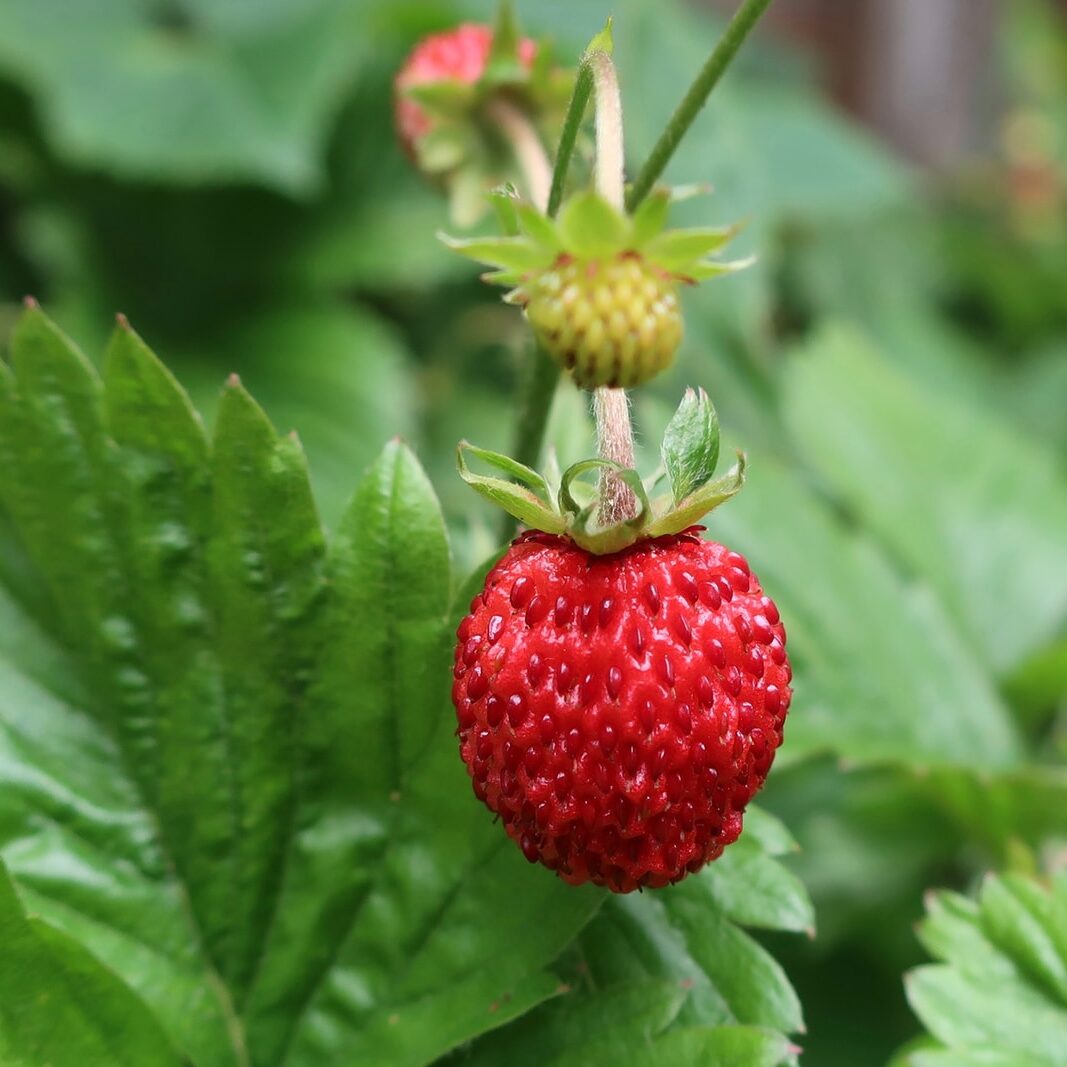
point(611, 408)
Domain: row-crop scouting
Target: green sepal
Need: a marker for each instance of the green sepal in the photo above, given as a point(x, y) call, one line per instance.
point(528, 502)
point(502, 66)
point(582, 522)
point(676, 249)
point(650, 219)
point(505, 203)
point(694, 507)
point(508, 253)
point(702, 272)
point(590, 226)
point(604, 41)
point(691, 444)
point(562, 504)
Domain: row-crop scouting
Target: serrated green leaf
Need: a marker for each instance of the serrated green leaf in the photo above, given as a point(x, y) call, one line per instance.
point(691, 444)
point(59, 1006)
point(689, 934)
point(998, 996)
point(589, 226)
point(261, 812)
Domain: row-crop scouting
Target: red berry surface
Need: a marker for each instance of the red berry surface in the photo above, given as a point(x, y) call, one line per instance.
point(460, 54)
point(618, 712)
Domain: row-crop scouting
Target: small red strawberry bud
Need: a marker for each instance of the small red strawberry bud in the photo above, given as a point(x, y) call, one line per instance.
point(459, 57)
point(651, 709)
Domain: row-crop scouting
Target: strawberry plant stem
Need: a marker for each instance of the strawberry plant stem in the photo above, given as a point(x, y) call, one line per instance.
point(741, 24)
point(526, 145)
point(572, 124)
point(615, 437)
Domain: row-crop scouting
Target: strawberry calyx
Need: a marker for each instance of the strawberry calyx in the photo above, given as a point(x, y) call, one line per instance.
point(675, 498)
point(590, 230)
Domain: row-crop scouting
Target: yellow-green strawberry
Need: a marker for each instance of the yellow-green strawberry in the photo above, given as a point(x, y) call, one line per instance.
point(600, 288)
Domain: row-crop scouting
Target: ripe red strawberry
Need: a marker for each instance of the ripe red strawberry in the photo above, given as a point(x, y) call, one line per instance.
point(619, 711)
point(458, 56)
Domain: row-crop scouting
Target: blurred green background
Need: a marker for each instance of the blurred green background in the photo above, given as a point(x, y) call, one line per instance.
point(224, 172)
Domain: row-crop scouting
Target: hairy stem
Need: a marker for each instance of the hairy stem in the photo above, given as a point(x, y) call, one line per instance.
point(741, 24)
point(615, 436)
point(527, 148)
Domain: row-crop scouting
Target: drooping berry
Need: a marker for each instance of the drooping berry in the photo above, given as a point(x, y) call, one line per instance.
point(457, 57)
point(618, 712)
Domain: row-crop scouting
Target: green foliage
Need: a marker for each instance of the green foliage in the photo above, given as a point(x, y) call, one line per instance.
point(999, 994)
point(893, 364)
point(230, 781)
point(186, 91)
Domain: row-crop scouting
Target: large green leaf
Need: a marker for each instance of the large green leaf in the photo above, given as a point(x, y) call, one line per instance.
point(59, 1006)
point(965, 502)
point(670, 976)
point(188, 91)
point(227, 758)
point(999, 996)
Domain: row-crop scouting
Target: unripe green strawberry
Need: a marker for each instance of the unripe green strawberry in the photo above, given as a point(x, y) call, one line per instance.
point(600, 287)
point(613, 321)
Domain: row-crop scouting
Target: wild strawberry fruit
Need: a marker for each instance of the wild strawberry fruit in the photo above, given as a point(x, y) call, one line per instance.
point(619, 711)
point(600, 287)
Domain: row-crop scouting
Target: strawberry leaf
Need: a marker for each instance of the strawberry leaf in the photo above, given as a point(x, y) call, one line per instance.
point(1000, 993)
point(227, 762)
point(1004, 497)
point(669, 977)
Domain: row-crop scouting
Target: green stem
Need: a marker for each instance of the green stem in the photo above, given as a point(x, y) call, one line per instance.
point(572, 125)
point(741, 24)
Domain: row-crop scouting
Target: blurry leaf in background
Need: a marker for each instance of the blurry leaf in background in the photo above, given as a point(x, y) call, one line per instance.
point(999, 996)
point(881, 671)
point(228, 771)
point(186, 90)
point(971, 507)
